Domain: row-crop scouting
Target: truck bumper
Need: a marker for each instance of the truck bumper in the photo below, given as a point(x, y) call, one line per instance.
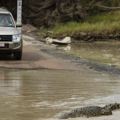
point(10, 47)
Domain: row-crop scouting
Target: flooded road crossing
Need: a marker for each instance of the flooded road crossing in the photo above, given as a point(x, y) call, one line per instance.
point(41, 94)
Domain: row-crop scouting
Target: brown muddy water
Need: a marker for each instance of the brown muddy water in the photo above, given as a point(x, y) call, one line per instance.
point(41, 94)
point(105, 52)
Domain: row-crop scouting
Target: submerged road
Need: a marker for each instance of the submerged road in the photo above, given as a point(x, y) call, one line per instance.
point(34, 58)
point(48, 84)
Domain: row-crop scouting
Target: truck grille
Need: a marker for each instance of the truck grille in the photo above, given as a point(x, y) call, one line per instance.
point(5, 38)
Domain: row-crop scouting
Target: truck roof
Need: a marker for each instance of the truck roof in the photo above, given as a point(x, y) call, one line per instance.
point(4, 10)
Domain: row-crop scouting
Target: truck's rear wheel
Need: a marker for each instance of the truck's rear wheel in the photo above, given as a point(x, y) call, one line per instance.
point(18, 55)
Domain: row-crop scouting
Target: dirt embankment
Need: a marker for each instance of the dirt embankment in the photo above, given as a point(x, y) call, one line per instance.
point(89, 37)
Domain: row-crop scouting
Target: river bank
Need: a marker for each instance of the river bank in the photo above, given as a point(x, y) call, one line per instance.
point(104, 26)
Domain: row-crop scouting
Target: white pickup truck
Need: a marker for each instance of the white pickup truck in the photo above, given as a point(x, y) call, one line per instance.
point(10, 37)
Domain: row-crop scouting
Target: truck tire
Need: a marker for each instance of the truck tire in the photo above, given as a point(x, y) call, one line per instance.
point(18, 55)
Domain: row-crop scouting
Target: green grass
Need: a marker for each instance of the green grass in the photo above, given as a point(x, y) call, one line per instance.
point(107, 23)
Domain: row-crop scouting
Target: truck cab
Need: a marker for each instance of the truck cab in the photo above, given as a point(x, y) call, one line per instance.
point(10, 36)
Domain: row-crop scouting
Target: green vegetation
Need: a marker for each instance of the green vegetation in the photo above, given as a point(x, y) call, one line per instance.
point(102, 23)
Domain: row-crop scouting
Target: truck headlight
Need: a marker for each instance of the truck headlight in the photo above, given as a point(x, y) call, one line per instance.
point(16, 38)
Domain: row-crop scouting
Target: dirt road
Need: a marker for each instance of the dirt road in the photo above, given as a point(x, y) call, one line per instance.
point(34, 58)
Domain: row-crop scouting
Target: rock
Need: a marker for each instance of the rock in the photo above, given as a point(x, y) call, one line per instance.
point(90, 111)
point(64, 41)
point(48, 40)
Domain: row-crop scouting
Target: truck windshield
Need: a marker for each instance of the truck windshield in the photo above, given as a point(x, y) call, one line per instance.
point(6, 20)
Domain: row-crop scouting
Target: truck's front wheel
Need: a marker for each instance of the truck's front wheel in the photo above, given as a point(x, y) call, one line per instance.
point(18, 55)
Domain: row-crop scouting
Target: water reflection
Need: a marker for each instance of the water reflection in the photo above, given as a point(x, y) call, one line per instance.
point(31, 95)
point(66, 48)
